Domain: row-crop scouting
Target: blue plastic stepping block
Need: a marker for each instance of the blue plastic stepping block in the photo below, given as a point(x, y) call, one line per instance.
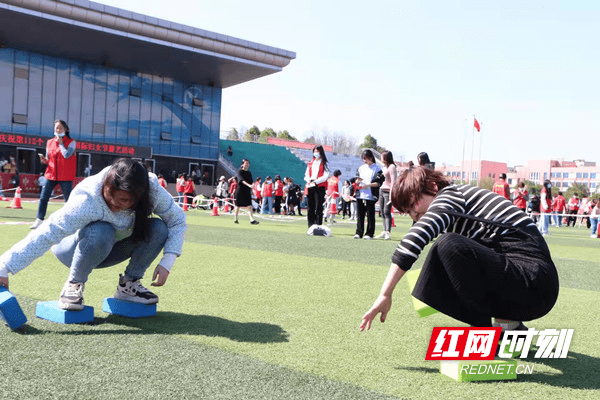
point(128, 308)
point(49, 310)
point(10, 310)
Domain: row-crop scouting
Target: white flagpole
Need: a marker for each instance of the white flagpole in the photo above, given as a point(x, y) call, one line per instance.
point(480, 137)
point(472, 145)
point(462, 165)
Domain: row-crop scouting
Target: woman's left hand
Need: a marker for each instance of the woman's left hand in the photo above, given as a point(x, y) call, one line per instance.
point(160, 276)
point(382, 305)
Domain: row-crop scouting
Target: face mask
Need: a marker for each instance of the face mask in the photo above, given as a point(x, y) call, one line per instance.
point(316, 154)
point(59, 134)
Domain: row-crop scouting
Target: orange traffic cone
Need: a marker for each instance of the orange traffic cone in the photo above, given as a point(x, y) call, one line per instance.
point(226, 207)
point(215, 210)
point(16, 203)
point(185, 202)
point(393, 221)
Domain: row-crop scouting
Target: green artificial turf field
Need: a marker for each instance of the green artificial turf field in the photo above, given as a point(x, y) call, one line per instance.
point(259, 312)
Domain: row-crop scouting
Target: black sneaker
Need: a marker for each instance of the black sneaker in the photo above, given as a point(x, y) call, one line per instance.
point(236, 222)
point(133, 291)
point(71, 297)
point(254, 222)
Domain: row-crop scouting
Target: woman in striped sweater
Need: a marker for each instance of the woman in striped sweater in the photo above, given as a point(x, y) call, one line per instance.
point(490, 260)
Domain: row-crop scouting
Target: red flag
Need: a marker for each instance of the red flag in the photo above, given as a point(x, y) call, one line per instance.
point(476, 125)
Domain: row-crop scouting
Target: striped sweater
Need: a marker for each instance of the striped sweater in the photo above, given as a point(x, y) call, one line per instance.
point(440, 218)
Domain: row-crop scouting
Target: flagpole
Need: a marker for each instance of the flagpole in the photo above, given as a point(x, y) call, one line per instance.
point(462, 165)
point(472, 144)
point(479, 176)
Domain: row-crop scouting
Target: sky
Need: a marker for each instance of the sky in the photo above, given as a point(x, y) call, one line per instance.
point(414, 74)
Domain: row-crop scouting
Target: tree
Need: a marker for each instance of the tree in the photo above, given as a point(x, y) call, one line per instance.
point(285, 135)
point(252, 134)
point(579, 188)
point(233, 134)
point(371, 143)
point(486, 183)
point(266, 133)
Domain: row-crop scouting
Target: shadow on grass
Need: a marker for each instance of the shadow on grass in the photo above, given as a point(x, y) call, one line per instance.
point(170, 323)
point(579, 371)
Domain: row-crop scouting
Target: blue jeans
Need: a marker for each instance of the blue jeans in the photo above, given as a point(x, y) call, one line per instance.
point(544, 222)
point(593, 226)
point(66, 187)
point(557, 218)
point(93, 247)
point(267, 205)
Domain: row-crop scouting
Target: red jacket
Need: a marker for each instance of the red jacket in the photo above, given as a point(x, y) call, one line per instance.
point(278, 188)
point(267, 189)
point(320, 174)
point(60, 168)
point(519, 200)
point(559, 204)
point(332, 187)
point(189, 187)
point(501, 187)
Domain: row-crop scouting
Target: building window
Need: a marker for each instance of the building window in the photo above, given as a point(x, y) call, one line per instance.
point(565, 174)
point(593, 175)
point(585, 175)
point(578, 175)
point(19, 119)
point(565, 184)
point(558, 174)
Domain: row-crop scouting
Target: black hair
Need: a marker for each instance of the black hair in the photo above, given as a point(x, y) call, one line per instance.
point(64, 124)
point(388, 157)
point(131, 176)
point(321, 151)
point(367, 154)
point(423, 158)
point(337, 172)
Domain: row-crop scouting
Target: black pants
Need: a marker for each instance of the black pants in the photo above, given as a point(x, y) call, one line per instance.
point(572, 217)
point(473, 281)
point(314, 210)
point(346, 209)
point(365, 207)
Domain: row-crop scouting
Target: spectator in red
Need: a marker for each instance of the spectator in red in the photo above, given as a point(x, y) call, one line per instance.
point(521, 197)
point(573, 206)
point(558, 208)
point(501, 187)
point(61, 161)
point(179, 186)
point(189, 189)
point(278, 190)
point(332, 193)
point(233, 186)
point(256, 188)
point(161, 181)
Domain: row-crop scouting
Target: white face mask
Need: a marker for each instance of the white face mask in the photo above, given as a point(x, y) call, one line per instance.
point(59, 134)
point(316, 154)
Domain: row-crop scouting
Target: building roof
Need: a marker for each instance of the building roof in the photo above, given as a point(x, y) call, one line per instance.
point(96, 33)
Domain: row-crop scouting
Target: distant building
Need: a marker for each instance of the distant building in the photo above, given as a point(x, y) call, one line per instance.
point(562, 174)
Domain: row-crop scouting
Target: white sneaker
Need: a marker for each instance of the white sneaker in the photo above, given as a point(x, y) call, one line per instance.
point(386, 236)
point(36, 224)
point(133, 291)
point(593, 236)
point(356, 237)
point(368, 238)
point(71, 297)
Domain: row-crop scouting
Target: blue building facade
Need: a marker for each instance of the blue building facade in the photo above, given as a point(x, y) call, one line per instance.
point(127, 84)
point(107, 105)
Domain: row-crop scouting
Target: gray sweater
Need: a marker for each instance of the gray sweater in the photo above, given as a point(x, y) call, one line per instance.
point(86, 205)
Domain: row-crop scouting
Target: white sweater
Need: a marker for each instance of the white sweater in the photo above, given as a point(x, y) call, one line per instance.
point(86, 205)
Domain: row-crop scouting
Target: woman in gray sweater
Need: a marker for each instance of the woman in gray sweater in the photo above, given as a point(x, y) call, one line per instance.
point(105, 222)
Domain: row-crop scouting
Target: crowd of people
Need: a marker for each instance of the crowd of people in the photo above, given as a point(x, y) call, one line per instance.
point(548, 210)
